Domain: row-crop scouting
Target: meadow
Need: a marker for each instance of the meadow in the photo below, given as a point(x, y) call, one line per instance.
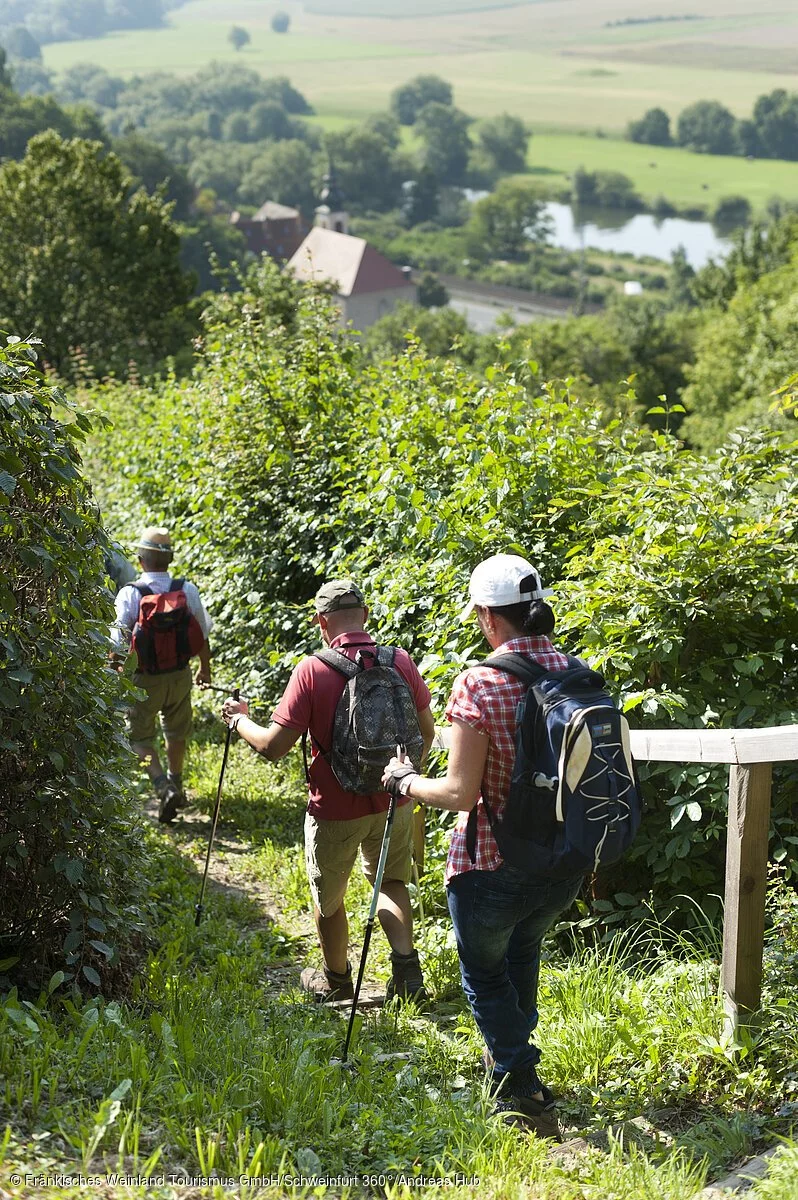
point(565, 67)
point(685, 179)
point(557, 65)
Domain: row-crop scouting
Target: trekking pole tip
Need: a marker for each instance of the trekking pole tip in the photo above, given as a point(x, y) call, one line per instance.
point(345, 1064)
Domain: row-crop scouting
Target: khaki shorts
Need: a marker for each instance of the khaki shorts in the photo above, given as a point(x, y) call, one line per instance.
point(331, 849)
point(169, 695)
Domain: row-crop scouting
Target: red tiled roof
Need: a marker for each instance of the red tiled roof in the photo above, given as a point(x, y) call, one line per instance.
point(348, 262)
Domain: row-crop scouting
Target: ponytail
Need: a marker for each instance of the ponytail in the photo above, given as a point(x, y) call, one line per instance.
point(534, 618)
point(539, 620)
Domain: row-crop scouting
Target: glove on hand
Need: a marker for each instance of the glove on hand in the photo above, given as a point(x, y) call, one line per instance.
point(398, 776)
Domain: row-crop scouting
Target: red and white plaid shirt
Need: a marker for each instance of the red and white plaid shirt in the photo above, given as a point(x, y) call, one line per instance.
point(487, 700)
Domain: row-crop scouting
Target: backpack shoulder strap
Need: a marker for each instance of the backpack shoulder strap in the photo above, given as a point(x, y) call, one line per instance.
point(523, 668)
point(176, 585)
point(339, 662)
point(385, 655)
point(143, 589)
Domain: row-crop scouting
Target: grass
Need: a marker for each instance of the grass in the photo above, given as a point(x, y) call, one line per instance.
point(686, 179)
point(518, 58)
point(408, 8)
point(206, 1066)
point(565, 73)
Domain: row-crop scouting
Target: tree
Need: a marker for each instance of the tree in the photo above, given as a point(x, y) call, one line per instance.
point(604, 189)
point(775, 119)
point(444, 132)
point(22, 117)
point(507, 223)
point(748, 141)
point(504, 141)
point(20, 43)
point(280, 88)
point(238, 37)
point(742, 355)
point(408, 100)
point(283, 172)
point(431, 292)
point(268, 121)
point(152, 168)
point(5, 74)
point(680, 280)
point(368, 170)
point(31, 78)
point(90, 265)
point(236, 127)
point(281, 22)
point(731, 212)
point(420, 198)
point(708, 128)
point(387, 127)
point(87, 81)
point(653, 128)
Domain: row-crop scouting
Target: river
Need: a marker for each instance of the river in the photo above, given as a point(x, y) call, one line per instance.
point(636, 233)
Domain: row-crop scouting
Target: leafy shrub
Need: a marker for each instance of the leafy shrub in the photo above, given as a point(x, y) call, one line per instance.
point(69, 845)
point(731, 212)
point(291, 456)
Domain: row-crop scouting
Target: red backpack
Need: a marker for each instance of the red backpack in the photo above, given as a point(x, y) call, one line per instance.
point(166, 634)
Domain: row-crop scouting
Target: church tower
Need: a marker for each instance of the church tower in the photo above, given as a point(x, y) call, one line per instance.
point(331, 214)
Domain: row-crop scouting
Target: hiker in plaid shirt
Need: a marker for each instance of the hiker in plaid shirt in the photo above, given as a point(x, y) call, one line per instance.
point(500, 913)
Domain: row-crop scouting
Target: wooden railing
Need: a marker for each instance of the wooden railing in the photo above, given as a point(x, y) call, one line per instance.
point(750, 754)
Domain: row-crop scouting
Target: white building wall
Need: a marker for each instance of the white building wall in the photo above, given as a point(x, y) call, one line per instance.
point(363, 311)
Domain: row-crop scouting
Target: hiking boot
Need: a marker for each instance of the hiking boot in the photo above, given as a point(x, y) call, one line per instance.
point(167, 809)
point(532, 1115)
point(535, 1084)
point(406, 982)
point(526, 1102)
point(324, 985)
point(176, 784)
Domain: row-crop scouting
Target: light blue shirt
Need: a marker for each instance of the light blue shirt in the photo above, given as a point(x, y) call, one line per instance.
point(128, 599)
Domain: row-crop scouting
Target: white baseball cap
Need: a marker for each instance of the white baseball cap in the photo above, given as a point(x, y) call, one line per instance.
point(503, 579)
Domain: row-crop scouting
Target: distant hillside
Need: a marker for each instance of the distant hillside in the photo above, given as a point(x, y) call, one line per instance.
point(52, 21)
point(407, 8)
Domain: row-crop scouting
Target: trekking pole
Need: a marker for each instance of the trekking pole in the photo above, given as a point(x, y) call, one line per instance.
point(225, 691)
point(386, 841)
point(198, 909)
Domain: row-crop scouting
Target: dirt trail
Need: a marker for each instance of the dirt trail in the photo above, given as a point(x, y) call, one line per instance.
point(227, 874)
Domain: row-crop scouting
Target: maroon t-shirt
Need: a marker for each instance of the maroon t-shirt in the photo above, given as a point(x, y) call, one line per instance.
point(308, 704)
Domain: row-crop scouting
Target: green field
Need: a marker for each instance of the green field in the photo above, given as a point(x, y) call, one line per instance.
point(685, 179)
point(408, 8)
point(561, 65)
point(558, 64)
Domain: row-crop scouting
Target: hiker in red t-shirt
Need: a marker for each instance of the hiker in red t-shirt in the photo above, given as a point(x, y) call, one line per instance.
point(339, 823)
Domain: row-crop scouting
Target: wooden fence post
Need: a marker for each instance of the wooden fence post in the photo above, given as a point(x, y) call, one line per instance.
point(746, 879)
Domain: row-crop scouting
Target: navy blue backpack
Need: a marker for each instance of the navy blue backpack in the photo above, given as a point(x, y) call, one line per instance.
point(574, 803)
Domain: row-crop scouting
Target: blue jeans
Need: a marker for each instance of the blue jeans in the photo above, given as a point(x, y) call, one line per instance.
point(500, 918)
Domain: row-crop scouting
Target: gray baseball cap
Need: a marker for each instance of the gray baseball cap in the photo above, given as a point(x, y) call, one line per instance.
point(337, 594)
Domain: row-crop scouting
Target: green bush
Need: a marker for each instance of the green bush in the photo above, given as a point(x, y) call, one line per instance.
point(69, 844)
point(292, 456)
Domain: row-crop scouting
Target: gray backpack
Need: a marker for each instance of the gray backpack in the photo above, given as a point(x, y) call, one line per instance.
point(375, 713)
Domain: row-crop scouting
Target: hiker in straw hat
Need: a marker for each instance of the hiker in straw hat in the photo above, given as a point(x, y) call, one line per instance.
point(162, 620)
